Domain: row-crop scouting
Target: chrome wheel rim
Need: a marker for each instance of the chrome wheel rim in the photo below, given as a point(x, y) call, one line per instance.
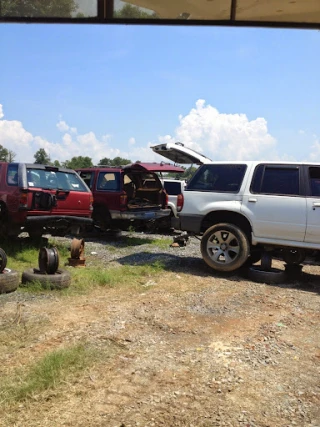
point(223, 247)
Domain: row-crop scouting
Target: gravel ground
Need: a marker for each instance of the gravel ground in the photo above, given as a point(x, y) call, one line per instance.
point(195, 348)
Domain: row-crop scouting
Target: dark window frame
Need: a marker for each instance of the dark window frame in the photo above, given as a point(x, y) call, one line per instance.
point(309, 182)
point(261, 169)
point(100, 177)
point(15, 167)
point(210, 167)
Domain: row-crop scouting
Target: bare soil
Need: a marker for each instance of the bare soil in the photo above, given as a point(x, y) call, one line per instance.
point(190, 348)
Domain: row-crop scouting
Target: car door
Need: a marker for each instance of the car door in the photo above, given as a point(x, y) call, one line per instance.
point(275, 203)
point(313, 204)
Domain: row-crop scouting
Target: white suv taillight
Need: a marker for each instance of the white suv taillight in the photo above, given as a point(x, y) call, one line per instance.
point(180, 200)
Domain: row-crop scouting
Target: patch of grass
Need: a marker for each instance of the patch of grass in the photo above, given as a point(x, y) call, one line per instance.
point(47, 373)
point(36, 287)
point(161, 243)
point(122, 276)
point(130, 241)
point(23, 253)
point(112, 248)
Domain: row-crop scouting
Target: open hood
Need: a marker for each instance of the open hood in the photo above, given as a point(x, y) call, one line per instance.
point(154, 167)
point(178, 153)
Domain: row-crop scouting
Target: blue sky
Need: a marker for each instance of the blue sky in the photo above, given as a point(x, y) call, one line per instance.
point(103, 91)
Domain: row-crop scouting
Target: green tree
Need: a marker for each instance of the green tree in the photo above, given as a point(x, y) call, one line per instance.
point(188, 173)
point(105, 161)
point(120, 161)
point(117, 161)
point(56, 163)
point(38, 8)
point(6, 155)
point(11, 156)
point(133, 12)
point(3, 154)
point(78, 162)
point(41, 157)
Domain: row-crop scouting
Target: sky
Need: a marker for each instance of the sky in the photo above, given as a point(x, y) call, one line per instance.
point(115, 90)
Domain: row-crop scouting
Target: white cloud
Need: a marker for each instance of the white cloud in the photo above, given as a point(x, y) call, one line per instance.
point(220, 136)
point(62, 126)
point(224, 136)
point(14, 136)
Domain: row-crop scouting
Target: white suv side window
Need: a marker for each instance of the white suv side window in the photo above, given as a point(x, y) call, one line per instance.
point(277, 180)
point(219, 178)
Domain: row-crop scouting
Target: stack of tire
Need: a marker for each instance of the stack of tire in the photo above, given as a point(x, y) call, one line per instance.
point(48, 273)
point(9, 279)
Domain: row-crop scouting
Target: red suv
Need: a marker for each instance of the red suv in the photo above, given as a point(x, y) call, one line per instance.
point(129, 194)
point(42, 199)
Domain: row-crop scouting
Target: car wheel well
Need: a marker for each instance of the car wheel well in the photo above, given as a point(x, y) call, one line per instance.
point(227, 217)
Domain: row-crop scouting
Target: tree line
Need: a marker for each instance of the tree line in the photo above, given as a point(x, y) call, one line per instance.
point(41, 157)
point(64, 9)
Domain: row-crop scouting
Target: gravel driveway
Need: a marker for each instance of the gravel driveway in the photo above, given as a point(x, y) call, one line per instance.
point(195, 348)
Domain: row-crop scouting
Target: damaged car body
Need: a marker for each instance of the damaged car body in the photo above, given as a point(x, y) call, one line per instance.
point(131, 194)
point(42, 199)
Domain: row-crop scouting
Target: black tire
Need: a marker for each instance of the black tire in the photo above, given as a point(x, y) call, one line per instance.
point(3, 260)
point(293, 256)
point(272, 276)
point(9, 281)
point(60, 280)
point(254, 257)
point(266, 261)
point(225, 247)
point(4, 223)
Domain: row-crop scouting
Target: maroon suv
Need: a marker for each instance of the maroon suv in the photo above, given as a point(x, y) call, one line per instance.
point(42, 199)
point(129, 194)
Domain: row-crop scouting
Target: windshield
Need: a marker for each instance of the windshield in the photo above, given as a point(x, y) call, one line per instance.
point(65, 181)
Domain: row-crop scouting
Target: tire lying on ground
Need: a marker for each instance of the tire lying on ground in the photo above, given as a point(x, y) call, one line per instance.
point(9, 281)
point(3, 260)
point(273, 276)
point(60, 280)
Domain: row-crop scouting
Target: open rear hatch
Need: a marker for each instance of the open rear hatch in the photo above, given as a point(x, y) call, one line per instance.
point(178, 153)
point(143, 187)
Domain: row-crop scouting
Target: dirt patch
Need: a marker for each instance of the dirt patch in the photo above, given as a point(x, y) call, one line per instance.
point(193, 349)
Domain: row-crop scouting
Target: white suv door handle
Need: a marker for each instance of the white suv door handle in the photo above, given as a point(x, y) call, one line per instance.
point(251, 199)
point(316, 204)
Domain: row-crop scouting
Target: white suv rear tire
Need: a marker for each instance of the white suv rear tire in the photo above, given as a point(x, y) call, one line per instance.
point(225, 247)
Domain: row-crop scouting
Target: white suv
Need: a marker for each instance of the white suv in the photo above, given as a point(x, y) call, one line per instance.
point(174, 189)
point(242, 208)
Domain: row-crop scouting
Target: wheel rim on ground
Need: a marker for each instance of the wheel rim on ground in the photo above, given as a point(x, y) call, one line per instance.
point(77, 248)
point(48, 260)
